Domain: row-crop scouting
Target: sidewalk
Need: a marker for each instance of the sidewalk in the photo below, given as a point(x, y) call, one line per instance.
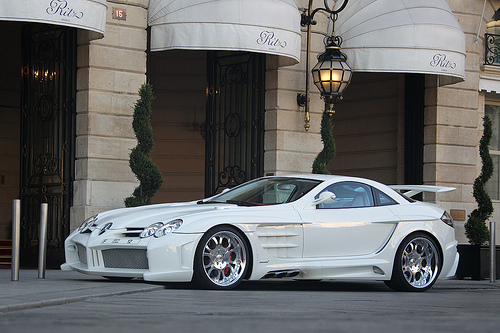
point(60, 287)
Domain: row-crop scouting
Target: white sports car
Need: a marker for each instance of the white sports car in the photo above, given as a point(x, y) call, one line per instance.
point(309, 227)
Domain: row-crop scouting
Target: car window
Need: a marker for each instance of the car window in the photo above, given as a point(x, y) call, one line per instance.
point(266, 191)
point(349, 195)
point(383, 199)
point(278, 192)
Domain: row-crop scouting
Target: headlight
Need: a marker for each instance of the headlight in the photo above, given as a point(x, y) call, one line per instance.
point(150, 231)
point(168, 228)
point(446, 218)
point(85, 226)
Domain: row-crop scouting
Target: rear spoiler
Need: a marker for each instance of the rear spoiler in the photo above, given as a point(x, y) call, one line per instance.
point(416, 189)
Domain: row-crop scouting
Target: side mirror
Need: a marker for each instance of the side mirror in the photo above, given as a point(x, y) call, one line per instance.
point(324, 197)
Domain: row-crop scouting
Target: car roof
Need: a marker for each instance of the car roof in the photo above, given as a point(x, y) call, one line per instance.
point(321, 177)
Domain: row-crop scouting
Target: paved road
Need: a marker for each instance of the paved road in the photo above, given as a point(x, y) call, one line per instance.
point(70, 302)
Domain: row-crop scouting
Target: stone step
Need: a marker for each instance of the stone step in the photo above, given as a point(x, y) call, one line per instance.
point(5, 252)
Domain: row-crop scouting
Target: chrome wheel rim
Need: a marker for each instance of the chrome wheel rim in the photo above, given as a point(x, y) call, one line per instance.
point(420, 262)
point(224, 258)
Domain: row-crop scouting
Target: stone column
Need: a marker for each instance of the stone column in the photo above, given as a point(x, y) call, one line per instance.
point(288, 147)
point(110, 72)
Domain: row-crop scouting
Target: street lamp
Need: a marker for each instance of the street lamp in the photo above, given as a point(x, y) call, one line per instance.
point(331, 74)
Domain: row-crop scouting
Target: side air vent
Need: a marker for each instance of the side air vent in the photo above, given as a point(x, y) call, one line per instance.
point(377, 270)
point(281, 241)
point(281, 274)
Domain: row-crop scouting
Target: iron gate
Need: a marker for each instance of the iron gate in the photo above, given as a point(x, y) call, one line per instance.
point(235, 119)
point(47, 137)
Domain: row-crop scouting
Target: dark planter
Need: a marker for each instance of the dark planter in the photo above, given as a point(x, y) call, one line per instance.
point(475, 262)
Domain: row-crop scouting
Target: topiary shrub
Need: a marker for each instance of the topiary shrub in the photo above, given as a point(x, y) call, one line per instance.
point(141, 164)
point(475, 227)
point(328, 153)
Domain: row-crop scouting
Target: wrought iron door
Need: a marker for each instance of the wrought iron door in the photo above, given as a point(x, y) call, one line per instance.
point(235, 119)
point(47, 137)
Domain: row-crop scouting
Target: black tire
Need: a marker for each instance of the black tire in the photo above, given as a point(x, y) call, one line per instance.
point(417, 264)
point(221, 259)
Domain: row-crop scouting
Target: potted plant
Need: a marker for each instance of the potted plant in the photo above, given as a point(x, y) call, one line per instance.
point(328, 153)
point(474, 258)
point(141, 164)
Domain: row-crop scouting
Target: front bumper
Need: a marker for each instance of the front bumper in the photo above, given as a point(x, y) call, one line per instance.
point(169, 258)
point(172, 261)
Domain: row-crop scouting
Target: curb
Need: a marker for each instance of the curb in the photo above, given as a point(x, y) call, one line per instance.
point(61, 301)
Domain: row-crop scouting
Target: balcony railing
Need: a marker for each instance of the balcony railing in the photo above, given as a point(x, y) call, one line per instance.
point(492, 49)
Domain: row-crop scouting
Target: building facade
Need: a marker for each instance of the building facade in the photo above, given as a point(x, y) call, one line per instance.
point(222, 114)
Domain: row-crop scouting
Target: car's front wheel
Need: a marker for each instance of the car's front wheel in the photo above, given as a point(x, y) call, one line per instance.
point(221, 259)
point(417, 264)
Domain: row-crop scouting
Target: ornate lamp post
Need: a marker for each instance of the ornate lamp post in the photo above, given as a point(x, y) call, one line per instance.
point(331, 74)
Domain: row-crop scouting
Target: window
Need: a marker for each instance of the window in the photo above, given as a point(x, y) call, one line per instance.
point(266, 191)
point(492, 110)
point(350, 195)
point(492, 41)
point(382, 199)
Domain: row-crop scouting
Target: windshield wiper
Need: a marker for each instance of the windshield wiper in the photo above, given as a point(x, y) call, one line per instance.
point(201, 202)
point(241, 203)
point(234, 202)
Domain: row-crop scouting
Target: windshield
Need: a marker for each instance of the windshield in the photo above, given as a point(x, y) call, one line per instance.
point(266, 191)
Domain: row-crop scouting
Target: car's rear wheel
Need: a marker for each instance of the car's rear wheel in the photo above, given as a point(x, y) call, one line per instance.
point(221, 259)
point(417, 264)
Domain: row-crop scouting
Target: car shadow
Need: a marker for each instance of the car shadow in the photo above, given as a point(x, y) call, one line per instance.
point(326, 285)
point(295, 285)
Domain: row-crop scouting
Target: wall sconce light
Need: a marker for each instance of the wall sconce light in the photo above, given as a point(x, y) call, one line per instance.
point(331, 74)
point(44, 75)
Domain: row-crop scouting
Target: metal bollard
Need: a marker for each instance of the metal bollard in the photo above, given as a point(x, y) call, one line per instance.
point(42, 241)
point(492, 253)
point(16, 230)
